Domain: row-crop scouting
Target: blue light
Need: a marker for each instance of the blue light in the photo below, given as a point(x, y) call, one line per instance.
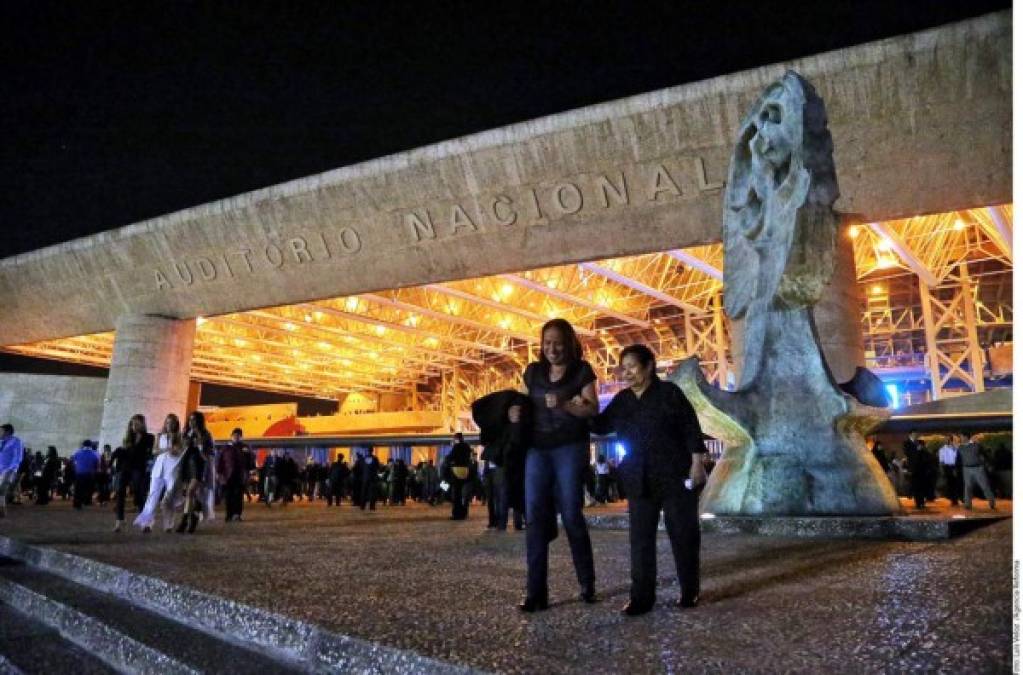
point(893, 394)
point(619, 451)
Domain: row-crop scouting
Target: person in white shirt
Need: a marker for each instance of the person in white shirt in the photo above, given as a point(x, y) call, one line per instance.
point(948, 457)
point(164, 490)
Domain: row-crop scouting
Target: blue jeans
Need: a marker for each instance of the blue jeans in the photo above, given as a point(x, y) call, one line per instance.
point(554, 483)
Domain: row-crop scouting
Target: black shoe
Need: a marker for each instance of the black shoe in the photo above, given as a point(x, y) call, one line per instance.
point(688, 600)
point(193, 521)
point(588, 595)
point(530, 605)
point(182, 524)
point(634, 608)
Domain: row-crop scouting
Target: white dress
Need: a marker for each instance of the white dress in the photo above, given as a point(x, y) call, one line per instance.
point(209, 482)
point(164, 477)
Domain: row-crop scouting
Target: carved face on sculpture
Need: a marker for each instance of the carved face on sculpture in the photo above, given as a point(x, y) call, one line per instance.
point(777, 131)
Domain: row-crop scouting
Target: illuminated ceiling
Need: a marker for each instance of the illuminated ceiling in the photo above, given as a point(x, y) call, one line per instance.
point(405, 340)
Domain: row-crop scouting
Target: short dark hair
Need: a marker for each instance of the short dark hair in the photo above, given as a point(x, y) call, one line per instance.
point(237, 430)
point(459, 436)
point(572, 343)
point(640, 352)
point(7, 427)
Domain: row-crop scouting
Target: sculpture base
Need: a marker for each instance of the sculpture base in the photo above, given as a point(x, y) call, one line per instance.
point(893, 528)
point(936, 526)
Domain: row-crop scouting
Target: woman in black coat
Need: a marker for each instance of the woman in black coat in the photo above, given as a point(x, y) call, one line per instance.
point(129, 465)
point(662, 471)
point(48, 476)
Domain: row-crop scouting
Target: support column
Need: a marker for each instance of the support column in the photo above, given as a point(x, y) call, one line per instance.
point(950, 328)
point(148, 373)
point(931, 337)
point(973, 349)
point(837, 315)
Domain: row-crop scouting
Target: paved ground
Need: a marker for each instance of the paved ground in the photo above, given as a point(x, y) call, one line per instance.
point(408, 577)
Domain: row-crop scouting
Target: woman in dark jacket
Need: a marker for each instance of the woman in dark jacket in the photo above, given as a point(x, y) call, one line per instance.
point(562, 390)
point(48, 477)
point(662, 470)
point(129, 464)
point(194, 471)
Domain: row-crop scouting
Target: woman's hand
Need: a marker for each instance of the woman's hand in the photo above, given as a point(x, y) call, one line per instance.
point(515, 414)
point(583, 404)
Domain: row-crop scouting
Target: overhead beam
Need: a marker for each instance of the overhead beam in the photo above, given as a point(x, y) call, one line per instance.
point(402, 328)
point(449, 318)
point(308, 343)
point(636, 285)
point(364, 337)
point(575, 300)
point(690, 260)
point(1000, 233)
point(313, 374)
point(327, 361)
point(905, 252)
point(502, 306)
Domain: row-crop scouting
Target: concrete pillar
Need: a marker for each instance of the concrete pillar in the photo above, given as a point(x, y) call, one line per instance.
point(148, 373)
point(836, 316)
point(194, 395)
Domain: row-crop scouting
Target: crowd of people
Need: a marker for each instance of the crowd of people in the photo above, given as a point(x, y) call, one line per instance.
point(535, 467)
point(952, 466)
point(183, 476)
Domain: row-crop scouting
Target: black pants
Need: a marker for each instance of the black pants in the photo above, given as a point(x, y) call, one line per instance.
point(490, 488)
point(234, 491)
point(500, 502)
point(953, 483)
point(919, 485)
point(459, 507)
point(43, 488)
point(369, 495)
point(136, 480)
point(335, 494)
point(84, 484)
point(682, 522)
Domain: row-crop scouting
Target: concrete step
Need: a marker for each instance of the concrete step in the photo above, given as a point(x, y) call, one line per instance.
point(127, 637)
point(289, 643)
point(32, 647)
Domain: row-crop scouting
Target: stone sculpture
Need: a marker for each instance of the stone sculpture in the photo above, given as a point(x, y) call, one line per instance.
point(795, 439)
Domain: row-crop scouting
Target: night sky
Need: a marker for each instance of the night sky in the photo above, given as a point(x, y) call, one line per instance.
point(117, 112)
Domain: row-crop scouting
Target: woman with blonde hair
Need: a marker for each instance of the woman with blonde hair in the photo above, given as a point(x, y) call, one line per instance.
point(163, 484)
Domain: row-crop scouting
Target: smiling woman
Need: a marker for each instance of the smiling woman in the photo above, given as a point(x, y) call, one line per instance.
point(562, 393)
